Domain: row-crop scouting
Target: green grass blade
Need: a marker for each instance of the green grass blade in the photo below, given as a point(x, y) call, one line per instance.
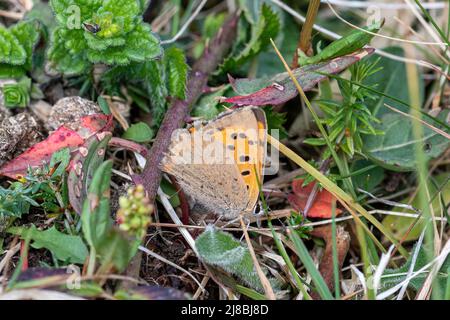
point(308, 262)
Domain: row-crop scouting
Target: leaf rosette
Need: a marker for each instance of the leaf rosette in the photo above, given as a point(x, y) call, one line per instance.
point(101, 31)
point(17, 94)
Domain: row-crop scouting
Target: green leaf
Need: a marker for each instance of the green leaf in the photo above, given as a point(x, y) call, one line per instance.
point(139, 132)
point(395, 149)
point(355, 40)
point(392, 277)
point(103, 105)
point(16, 48)
point(391, 81)
point(275, 121)
point(64, 55)
point(208, 106)
point(95, 218)
point(27, 33)
point(177, 69)
point(220, 249)
point(113, 246)
point(400, 225)
point(62, 159)
point(266, 28)
point(157, 89)
point(11, 72)
point(80, 182)
point(119, 38)
point(116, 249)
point(315, 141)
point(17, 94)
point(366, 179)
point(308, 262)
point(15, 201)
point(11, 51)
point(64, 247)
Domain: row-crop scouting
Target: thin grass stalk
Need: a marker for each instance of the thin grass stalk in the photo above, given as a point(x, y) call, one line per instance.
point(422, 164)
point(308, 262)
point(337, 288)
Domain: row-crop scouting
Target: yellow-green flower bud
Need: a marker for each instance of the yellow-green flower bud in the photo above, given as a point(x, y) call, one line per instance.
point(135, 210)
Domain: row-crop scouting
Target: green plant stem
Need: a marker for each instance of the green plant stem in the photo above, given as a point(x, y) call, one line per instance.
point(430, 18)
point(91, 263)
point(176, 18)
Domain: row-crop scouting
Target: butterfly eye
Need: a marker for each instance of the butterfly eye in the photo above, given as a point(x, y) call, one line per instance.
point(244, 158)
point(230, 147)
point(234, 136)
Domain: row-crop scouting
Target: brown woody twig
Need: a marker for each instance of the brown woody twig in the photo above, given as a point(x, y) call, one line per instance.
point(175, 116)
point(304, 42)
point(177, 113)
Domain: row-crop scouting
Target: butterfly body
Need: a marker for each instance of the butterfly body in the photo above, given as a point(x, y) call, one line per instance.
point(219, 164)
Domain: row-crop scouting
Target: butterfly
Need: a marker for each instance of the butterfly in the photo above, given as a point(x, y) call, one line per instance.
point(220, 163)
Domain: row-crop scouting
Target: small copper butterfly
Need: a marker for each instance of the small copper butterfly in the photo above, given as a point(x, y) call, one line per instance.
point(219, 163)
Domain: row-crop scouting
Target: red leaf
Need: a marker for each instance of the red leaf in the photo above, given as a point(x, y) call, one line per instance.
point(40, 152)
point(321, 208)
point(61, 138)
point(95, 123)
point(280, 88)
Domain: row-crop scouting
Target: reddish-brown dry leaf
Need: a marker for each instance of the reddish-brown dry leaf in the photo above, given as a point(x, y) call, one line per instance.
point(96, 123)
point(280, 88)
point(61, 138)
point(321, 207)
point(40, 152)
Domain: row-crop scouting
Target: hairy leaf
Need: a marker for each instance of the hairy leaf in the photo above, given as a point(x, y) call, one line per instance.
point(16, 48)
point(101, 31)
point(392, 277)
point(176, 68)
point(220, 249)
